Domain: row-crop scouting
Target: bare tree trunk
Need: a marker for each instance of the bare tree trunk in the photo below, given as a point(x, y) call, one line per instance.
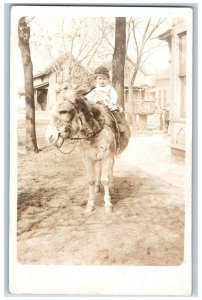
point(118, 61)
point(24, 35)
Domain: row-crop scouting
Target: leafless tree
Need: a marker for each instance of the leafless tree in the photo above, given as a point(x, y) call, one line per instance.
point(118, 61)
point(142, 48)
point(88, 40)
point(85, 41)
point(24, 36)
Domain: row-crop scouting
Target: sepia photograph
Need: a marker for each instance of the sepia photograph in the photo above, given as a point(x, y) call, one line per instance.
point(101, 150)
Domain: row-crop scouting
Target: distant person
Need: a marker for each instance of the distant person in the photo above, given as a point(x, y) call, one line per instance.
point(165, 119)
point(105, 94)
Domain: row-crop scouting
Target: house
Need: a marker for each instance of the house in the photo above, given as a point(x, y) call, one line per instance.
point(136, 92)
point(162, 89)
point(142, 84)
point(138, 96)
point(163, 98)
point(177, 39)
point(49, 82)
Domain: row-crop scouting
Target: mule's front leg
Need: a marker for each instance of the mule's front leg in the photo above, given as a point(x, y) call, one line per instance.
point(111, 183)
point(90, 168)
point(105, 178)
point(97, 176)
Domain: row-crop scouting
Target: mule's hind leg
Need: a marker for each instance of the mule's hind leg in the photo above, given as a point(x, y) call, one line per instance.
point(105, 178)
point(90, 168)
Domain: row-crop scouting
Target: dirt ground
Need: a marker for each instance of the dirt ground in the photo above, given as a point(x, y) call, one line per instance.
point(146, 227)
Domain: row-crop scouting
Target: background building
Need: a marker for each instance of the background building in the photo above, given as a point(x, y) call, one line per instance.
point(177, 39)
point(49, 82)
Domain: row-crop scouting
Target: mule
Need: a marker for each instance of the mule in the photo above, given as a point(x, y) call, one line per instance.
point(75, 118)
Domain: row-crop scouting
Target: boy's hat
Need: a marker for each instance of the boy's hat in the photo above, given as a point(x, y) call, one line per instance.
point(102, 71)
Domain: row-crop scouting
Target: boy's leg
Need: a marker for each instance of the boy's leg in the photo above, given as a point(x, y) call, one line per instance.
point(120, 119)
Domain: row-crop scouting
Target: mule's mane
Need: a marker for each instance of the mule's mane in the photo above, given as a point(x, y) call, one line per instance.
point(89, 110)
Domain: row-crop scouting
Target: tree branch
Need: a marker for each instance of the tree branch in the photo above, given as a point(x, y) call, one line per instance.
point(137, 48)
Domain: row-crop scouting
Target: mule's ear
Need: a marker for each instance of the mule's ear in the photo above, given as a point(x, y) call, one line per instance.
point(80, 93)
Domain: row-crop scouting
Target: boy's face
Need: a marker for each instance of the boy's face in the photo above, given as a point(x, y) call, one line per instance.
point(101, 80)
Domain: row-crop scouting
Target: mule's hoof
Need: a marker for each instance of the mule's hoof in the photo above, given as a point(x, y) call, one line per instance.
point(97, 189)
point(109, 209)
point(89, 209)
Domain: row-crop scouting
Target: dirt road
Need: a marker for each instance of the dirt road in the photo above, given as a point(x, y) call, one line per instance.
point(145, 228)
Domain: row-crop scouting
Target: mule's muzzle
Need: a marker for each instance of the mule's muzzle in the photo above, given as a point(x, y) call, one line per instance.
point(52, 136)
point(59, 142)
point(56, 142)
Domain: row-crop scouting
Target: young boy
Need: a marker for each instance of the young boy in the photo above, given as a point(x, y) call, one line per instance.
point(106, 94)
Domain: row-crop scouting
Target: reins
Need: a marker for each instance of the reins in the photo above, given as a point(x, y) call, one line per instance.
point(69, 151)
point(80, 138)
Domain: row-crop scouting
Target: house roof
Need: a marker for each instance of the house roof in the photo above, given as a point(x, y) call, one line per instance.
point(56, 64)
point(165, 35)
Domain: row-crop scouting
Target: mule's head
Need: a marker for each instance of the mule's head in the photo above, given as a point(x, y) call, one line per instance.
point(63, 123)
point(73, 117)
